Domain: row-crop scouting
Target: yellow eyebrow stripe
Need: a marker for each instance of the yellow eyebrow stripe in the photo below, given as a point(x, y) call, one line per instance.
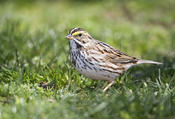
point(78, 32)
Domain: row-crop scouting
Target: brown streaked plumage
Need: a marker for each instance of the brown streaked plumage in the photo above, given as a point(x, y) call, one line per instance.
point(97, 60)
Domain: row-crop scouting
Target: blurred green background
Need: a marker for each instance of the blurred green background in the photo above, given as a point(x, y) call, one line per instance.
point(33, 50)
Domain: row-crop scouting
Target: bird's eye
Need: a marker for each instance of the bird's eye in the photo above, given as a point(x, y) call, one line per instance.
point(80, 35)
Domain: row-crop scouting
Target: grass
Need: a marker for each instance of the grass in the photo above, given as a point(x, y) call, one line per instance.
point(33, 50)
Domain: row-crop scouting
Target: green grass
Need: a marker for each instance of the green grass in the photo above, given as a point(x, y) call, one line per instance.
point(33, 49)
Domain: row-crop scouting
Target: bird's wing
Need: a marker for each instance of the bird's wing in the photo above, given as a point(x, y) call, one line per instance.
point(115, 56)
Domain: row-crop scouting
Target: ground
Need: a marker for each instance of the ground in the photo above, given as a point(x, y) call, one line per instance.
point(33, 51)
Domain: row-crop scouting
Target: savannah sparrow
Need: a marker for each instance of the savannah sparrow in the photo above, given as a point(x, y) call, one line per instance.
point(97, 60)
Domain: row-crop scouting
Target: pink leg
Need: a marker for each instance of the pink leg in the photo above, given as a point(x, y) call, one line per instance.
point(109, 85)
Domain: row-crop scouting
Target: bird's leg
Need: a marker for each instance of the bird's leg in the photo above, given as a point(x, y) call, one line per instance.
point(109, 85)
point(106, 82)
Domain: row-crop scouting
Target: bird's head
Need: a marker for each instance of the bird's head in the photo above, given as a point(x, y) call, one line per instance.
point(79, 35)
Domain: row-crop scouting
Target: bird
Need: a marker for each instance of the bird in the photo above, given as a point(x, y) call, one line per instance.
point(97, 60)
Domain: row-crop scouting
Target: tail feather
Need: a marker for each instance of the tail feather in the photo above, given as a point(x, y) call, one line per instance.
point(148, 62)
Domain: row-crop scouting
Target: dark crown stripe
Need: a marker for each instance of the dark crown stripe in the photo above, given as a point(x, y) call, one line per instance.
point(73, 30)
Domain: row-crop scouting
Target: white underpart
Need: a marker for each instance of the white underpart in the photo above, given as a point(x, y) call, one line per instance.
point(73, 45)
point(93, 71)
point(96, 72)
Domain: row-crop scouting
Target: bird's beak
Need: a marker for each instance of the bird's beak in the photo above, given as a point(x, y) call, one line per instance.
point(69, 37)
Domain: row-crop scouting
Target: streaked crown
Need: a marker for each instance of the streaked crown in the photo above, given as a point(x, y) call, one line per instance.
point(80, 35)
point(74, 30)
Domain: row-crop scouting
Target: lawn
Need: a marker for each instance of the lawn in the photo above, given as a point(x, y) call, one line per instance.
point(33, 51)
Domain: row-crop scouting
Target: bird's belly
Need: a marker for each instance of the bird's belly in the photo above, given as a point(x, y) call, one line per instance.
point(91, 69)
point(97, 74)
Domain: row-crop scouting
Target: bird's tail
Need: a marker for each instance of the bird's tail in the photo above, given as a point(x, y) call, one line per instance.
point(148, 62)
